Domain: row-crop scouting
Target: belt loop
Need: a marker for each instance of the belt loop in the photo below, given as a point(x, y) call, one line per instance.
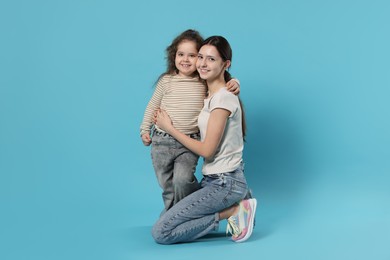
point(223, 179)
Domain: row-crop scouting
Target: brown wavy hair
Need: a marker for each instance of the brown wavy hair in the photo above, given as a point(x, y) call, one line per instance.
point(188, 35)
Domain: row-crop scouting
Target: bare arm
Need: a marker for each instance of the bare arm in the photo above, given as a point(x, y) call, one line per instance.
point(215, 128)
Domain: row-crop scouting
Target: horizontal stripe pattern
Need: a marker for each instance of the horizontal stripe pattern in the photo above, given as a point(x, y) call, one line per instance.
point(181, 97)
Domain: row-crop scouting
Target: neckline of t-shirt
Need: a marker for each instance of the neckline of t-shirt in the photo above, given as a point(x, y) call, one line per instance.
point(209, 97)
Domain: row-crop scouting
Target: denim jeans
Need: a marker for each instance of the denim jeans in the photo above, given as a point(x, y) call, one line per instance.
point(174, 166)
point(198, 214)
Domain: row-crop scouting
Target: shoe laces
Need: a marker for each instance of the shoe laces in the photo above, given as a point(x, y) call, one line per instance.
point(233, 226)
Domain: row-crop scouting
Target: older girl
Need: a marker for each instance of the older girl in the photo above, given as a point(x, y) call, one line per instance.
point(223, 187)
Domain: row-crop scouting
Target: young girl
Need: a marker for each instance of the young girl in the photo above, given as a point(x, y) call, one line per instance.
point(180, 92)
point(223, 187)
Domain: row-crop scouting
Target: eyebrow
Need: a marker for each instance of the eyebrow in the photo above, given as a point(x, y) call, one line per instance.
point(209, 56)
point(187, 52)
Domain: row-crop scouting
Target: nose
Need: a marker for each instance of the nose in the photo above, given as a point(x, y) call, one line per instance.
point(203, 63)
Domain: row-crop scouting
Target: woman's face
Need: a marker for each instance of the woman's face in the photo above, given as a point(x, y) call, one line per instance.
point(210, 64)
point(186, 56)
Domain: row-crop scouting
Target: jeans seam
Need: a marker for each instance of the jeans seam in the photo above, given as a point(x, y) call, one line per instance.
point(191, 206)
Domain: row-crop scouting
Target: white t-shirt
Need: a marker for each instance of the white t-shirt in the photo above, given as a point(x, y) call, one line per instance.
point(229, 152)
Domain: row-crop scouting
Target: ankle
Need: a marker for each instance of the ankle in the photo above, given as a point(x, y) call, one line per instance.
point(236, 208)
point(227, 213)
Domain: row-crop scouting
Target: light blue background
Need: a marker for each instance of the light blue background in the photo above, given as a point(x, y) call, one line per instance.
point(75, 77)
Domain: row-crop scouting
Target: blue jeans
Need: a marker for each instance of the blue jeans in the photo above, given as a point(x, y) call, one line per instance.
point(198, 214)
point(174, 166)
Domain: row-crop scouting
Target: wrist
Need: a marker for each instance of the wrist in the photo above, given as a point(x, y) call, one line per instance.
point(170, 130)
point(144, 132)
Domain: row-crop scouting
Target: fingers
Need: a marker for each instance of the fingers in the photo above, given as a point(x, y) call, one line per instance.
point(235, 90)
point(146, 139)
point(233, 87)
point(229, 85)
point(154, 119)
point(156, 111)
point(163, 121)
point(146, 143)
point(161, 114)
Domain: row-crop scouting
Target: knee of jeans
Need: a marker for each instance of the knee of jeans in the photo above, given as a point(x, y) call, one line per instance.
point(158, 235)
point(184, 181)
point(183, 178)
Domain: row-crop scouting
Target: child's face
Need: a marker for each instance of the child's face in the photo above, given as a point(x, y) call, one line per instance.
point(210, 64)
point(186, 56)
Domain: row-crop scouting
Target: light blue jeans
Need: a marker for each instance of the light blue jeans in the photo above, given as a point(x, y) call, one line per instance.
point(198, 214)
point(175, 167)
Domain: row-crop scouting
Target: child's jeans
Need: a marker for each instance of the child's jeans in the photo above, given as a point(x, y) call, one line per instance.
point(174, 166)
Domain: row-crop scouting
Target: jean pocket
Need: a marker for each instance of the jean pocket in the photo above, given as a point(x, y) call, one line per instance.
point(239, 184)
point(238, 189)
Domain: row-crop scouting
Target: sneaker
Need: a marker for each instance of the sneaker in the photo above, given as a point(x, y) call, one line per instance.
point(250, 196)
point(241, 224)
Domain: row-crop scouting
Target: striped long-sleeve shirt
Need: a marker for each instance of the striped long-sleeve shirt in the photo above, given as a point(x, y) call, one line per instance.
point(182, 98)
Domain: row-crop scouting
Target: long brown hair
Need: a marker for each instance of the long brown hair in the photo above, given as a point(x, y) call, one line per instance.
point(226, 53)
point(188, 35)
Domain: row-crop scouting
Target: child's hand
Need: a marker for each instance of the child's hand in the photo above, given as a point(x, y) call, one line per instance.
point(233, 86)
point(163, 121)
point(155, 115)
point(146, 139)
